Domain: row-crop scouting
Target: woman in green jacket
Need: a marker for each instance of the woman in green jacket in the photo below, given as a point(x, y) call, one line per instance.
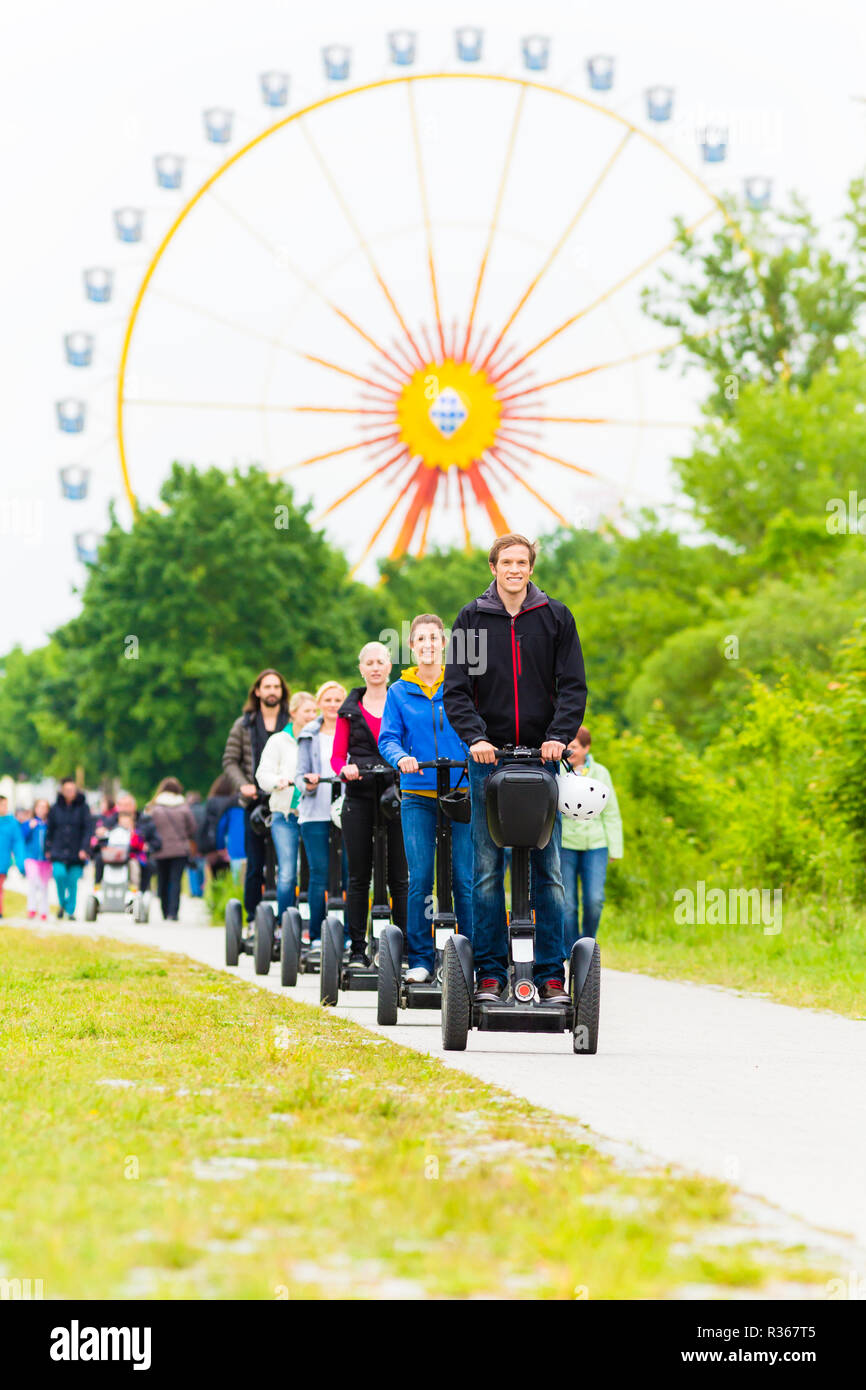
point(586, 847)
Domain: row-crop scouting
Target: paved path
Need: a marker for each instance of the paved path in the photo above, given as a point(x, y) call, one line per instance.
point(768, 1097)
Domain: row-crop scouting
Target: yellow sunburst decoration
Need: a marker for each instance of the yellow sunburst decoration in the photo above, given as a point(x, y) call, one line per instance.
point(448, 413)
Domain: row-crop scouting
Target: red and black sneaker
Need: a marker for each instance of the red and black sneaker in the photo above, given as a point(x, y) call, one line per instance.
point(488, 991)
point(554, 992)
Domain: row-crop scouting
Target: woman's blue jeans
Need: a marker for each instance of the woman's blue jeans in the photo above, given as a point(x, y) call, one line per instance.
point(316, 837)
point(418, 817)
point(286, 837)
point(589, 866)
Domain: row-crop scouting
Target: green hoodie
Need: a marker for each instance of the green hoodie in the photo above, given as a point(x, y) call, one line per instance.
point(603, 831)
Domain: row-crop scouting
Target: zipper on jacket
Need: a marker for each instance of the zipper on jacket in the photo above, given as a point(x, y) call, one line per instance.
point(514, 674)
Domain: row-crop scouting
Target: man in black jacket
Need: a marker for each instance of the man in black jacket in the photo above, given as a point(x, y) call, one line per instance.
point(514, 674)
point(266, 712)
point(67, 841)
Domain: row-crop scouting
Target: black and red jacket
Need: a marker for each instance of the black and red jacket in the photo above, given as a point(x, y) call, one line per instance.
point(515, 679)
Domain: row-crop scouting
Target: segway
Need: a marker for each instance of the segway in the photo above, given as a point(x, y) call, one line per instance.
point(262, 939)
point(337, 973)
point(521, 803)
point(395, 992)
point(296, 955)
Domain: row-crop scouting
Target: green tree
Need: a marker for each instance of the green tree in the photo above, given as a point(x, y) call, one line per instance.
point(226, 577)
point(767, 299)
point(789, 448)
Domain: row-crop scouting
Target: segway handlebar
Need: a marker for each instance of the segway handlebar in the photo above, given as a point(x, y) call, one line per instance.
point(364, 772)
point(443, 762)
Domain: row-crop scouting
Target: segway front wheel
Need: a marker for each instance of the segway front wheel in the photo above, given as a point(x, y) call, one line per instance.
point(390, 957)
point(456, 1000)
point(234, 930)
point(586, 992)
point(263, 938)
point(332, 960)
point(290, 947)
point(91, 907)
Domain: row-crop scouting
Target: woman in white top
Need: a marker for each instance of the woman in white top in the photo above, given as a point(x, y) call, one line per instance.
point(315, 745)
point(276, 774)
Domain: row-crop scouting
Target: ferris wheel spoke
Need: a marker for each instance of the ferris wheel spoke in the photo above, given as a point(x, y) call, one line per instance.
point(564, 463)
point(306, 280)
point(428, 512)
point(344, 371)
point(539, 276)
point(603, 420)
point(334, 453)
point(600, 299)
point(529, 488)
point(224, 322)
point(425, 481)
point(356, 228)
point(605, 366)
point(494, 223)
point(484, 497)
point(356, 487)
point(387, 517)
point(425, 209)
point(464, 520)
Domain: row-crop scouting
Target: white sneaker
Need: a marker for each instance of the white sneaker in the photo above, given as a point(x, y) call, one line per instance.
point(418, 975)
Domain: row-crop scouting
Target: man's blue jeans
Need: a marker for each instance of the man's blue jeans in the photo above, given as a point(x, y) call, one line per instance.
point(590, 867)
point(490, 939)
point(418, 818)
point(286, 836)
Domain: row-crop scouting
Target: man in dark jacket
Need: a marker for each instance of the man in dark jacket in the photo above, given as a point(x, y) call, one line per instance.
point(67, 839)
point(514, 674)
point(266, 712)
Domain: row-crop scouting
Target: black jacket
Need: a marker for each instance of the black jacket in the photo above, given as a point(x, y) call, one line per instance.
point(514, 680)
point(363, 749)
point(69, 829)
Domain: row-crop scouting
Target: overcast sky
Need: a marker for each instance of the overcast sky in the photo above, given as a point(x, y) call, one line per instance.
point(90, 91)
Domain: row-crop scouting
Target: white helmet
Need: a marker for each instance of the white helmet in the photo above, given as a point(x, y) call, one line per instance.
point(337, 809)
point(580, 798)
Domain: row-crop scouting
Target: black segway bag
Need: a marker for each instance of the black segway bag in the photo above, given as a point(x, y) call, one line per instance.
point(521, 807)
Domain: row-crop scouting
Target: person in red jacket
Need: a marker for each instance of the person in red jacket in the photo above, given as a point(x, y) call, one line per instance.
point(514, 674)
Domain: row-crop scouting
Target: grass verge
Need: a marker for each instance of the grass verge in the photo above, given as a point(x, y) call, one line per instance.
point(178, 1135)
point(817, 960)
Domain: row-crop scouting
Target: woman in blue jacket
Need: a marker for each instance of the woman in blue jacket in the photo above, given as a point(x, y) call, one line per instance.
point(11, 845)
point(415, 729)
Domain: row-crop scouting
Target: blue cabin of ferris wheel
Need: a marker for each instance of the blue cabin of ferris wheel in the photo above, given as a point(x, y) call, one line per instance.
point(78, 348)
point(98, 284)
point(470, 43)
point(274, 88)
point(74, 482)
point(337, 58)
point(713, 141)
point(129, 224)
point(87, 546)
point(402, 47)
point(600, 71)
point(659, 103)
point(758, 191)
point(70, 416)
point(218, 124)
point(169, 170)
point(536, 52)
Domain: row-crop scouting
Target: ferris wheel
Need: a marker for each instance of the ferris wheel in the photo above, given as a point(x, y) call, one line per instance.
point(415, 294)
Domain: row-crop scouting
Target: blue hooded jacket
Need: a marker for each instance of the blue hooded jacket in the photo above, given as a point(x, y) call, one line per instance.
point(416, 726)
point(11, 844)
